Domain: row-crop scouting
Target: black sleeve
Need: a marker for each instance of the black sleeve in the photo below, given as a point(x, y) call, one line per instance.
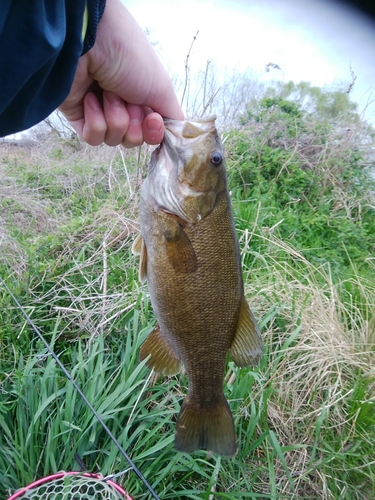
point(40, 44)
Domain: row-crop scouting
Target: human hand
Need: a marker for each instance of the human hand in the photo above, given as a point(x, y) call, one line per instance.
point(120, 90)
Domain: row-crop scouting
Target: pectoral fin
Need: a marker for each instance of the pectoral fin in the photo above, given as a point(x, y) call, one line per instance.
point(180, 251)
point(162, 359)
point(247, 346)
point(139, 248)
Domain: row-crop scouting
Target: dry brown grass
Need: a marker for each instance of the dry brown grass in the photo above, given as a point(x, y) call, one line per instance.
point(40, 179)
point(326, 343)
point(331, 338)
point(46, 187)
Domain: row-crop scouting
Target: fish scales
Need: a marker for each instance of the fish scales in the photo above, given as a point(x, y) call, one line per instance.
point(198, 311)
point(191, 260)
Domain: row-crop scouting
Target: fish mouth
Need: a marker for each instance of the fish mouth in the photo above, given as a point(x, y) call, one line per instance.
point(178, 131)
point(167, 152)
point(171, 139)
point(154, 158)
point(177, 134)
point(164, 156)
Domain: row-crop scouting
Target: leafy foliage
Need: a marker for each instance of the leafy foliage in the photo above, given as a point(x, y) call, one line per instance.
point(314, 182)
point(330, 105)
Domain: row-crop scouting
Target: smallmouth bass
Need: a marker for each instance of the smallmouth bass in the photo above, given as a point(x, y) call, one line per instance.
point(190, 257)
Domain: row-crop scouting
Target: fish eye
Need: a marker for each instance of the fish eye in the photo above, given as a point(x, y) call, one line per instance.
point(216, 158)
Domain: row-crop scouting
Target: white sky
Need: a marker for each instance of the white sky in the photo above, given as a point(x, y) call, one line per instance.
point(311, 40)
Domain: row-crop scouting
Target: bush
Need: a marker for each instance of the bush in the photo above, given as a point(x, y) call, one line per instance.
point(314, 186)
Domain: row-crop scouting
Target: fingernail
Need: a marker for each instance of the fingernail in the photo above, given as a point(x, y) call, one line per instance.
point(113, 98)
point(154, 125)
point(92, 101)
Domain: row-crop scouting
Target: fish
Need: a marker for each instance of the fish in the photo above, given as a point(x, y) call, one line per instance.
point(189, 256)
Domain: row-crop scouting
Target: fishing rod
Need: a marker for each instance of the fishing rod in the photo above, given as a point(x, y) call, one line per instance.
point(76, 387)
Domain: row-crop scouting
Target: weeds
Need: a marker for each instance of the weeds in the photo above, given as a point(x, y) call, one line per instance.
point(304, 418)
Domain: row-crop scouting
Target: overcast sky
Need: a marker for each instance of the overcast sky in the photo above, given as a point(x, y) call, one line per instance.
point(310, 40)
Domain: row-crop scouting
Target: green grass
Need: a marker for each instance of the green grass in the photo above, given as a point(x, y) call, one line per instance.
point(304, 418)
point(44, 422)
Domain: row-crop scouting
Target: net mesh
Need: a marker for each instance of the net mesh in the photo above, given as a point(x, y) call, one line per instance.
point(72, 488)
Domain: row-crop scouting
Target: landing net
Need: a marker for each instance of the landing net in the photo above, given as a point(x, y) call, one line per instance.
point(71, 486)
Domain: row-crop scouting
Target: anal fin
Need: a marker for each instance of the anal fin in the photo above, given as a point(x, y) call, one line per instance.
point(247, 347)
point(162, 358)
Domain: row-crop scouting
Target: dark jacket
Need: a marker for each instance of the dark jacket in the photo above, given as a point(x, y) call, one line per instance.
point(40, 44)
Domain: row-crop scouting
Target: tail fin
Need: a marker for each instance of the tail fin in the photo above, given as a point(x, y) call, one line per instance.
point(209, 428)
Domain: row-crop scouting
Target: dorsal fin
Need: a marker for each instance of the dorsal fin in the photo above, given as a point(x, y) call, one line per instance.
point(139, 248)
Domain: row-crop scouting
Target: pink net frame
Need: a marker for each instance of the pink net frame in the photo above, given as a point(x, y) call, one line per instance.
point(59, 475)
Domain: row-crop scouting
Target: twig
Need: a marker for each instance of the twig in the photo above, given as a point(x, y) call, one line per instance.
point(187, 67)
point(205, 86)
point(126, 171)
point(354, 78)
